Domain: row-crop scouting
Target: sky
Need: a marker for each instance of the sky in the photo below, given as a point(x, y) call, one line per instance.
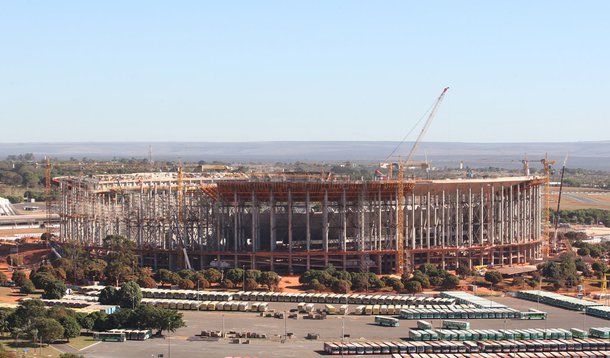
point(151, 71)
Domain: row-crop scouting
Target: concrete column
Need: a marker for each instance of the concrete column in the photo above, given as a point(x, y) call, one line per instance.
point(290, 231)
point(273, 237)
point(343, 222)
point(458, 230)
point(470, 231)
point(428, 208)
point(325, 227)
point(307, 228)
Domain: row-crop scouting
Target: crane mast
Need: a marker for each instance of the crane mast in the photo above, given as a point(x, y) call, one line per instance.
point(401, 258)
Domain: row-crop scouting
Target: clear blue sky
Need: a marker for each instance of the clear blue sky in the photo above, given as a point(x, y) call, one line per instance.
point(310, 70)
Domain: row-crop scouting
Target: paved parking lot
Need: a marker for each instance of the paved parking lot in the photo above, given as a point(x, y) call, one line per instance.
point(178, 345)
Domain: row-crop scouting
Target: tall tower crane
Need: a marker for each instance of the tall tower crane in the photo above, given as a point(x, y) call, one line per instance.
point(401, 258)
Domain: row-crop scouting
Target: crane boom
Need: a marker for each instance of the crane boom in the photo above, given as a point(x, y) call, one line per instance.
point(401, 259)
point(426, 126)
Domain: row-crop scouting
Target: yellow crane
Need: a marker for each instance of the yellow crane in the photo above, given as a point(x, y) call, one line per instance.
point(401, 258)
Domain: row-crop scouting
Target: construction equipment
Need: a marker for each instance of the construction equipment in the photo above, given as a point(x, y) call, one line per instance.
point(555, 244)
point(547, 166)
point(401, 259)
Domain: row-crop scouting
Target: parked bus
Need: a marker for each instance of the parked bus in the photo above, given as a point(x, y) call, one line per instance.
point(424, 325)
point(109, 336)
point(533, 314)
point(387, 321)
point(448, 324)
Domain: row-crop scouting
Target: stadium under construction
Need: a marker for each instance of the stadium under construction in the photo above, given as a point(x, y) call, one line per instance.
point(293, 223)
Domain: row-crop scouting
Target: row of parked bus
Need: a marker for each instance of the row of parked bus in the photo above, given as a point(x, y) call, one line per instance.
point(587, 354)
point(353, 298)
point(492, 335)
point(556, 299)
point(458, 312)
point(388, 309)
point(162, 293)
point(469, 298)
point(207, 305)
point(466, 347)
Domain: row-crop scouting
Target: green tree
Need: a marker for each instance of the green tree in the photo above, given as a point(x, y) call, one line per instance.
point(120, 258)
point(129, 295)
point(463, 271)
point(186, 274)
point(109, 296)
point(19, 277)
point(599, 267)
point(422, 278)
point(413, 287)
point(41, 279)
point(94, 269)
point(235, 275)
point(251, 284)
point(27, 287)
point(212, 275)
point(3, 279)
point(164, 275)
point(393, 282)
point(71, 327)
point(54, 290)
point(49, 330)
point(270, 279)
point(450, 282)
point(493, 277)
point(169, 320)
point(27, 311)
point(583, 251)
point(341, 286)
point(253, 274)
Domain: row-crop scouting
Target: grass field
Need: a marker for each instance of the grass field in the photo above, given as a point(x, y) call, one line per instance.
point(27, 349)
point(81, 342)
point(581, 198)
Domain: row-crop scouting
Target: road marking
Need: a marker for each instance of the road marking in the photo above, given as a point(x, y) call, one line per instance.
point(89, 346)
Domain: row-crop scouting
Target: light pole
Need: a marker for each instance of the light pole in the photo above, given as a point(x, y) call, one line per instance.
point(222, 333)
point(285, 326)
point(169, 344)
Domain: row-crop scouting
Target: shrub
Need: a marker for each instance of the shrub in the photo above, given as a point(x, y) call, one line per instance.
point(251, 284)
point(19, 277)
point(27, 287)
point(413, 287)
point(147, 282)
point(186, 284)
point(226, 283)
point(451, 282)
point(341, 286)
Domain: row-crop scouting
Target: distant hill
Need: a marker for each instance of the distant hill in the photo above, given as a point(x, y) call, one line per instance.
point(590, 155)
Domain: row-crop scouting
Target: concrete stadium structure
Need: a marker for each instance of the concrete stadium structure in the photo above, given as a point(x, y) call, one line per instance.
point(293, 223)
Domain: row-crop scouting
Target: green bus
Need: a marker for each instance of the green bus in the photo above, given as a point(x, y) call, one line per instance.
point(448, 324)
point(533, 314)
point(387, 321)
point(110, 336)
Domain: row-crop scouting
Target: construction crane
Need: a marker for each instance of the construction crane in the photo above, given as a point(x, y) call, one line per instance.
point(401, 258)
point(548, 170)
point(555, 245)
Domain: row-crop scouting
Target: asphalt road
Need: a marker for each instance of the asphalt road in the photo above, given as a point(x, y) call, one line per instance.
point(178, 345)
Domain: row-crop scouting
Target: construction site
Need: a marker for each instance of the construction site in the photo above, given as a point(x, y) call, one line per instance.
point(294, 223)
